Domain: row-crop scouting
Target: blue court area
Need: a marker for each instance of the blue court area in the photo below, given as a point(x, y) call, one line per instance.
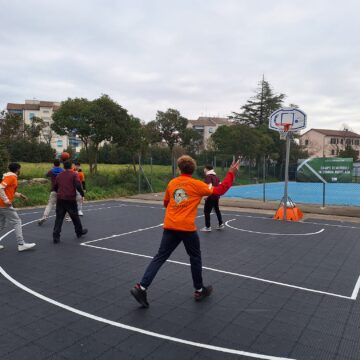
point(301, 192)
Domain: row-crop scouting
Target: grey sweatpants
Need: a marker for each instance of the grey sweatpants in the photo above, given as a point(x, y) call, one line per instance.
point(10, 215)
point(52, 203)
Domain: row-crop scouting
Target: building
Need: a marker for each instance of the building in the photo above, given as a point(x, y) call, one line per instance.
point(328, 143)
point(44, 110)
point(206, 126)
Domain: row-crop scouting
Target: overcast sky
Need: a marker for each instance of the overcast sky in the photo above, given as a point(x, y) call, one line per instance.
point(202, 57)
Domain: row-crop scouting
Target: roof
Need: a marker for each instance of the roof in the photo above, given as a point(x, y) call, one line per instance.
point(210, 121)
point(339, 133)
point(49, 104)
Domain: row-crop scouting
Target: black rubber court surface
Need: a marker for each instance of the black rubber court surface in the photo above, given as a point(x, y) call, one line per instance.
point(281, 290)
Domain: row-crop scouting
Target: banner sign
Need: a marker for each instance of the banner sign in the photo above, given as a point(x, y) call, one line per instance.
point(332, 170)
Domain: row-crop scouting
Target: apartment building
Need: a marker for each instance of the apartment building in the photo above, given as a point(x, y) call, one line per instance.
point(328, 143)
point(44, 110)
point(206, 126)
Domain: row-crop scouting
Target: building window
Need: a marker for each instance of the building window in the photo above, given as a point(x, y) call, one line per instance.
point(31, 115)
point(333, 152)
point(211, 130)
point(46, 111)
point(306, 142)
point(333, 141)
point(341, 141)
point(59, 143)
point(357, 142)
point(348, 141)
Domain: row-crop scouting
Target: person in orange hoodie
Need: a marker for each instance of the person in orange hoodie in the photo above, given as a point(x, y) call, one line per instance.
point(8, 187)
point(182, 198)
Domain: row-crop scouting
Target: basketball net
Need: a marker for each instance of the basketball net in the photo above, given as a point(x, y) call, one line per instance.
point(284, 131)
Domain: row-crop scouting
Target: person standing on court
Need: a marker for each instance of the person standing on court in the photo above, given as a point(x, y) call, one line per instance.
point(82, 181)
point(52, 174)
point(66, 185)
point(8, 187)
point(182, 198)
point(212, 201)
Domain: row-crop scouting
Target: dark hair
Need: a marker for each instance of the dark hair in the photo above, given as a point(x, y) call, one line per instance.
point(77, 162)
point(186, 164)
point(14, 167)
point(209, 167)
point(67, 165)
point(57, 162)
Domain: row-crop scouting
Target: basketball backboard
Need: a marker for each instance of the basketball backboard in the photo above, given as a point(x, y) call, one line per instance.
point(287, 116)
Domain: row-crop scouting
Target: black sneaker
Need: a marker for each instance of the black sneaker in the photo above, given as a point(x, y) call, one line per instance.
point(56, 240)
point(201, 295)
point(139, 295)
point(84, 231)
point(41, 221)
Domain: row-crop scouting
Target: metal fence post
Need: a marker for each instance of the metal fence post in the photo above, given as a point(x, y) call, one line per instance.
point(324, 194)
point(139, 178)
point(264, 179)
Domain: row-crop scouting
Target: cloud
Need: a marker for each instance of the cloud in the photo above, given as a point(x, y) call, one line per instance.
point(201, 57)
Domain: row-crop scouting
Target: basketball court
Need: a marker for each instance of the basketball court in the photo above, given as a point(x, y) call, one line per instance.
point(282, 290)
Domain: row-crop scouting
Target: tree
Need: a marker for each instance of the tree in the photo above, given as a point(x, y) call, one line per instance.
point(92, 122)
point(238, 139)
point(258, 108)
point(171, 125)
point(349, 152)
point(33, 131)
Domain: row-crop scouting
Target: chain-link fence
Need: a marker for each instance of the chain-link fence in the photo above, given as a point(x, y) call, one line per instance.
point(259, 180)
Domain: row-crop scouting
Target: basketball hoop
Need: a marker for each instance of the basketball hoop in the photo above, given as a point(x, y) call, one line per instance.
point(283, 132)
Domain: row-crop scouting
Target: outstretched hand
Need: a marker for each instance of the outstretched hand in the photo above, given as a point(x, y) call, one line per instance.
point(234, 167)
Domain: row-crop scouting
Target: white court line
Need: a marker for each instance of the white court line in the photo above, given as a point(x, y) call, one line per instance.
point(301, 222)
point(123, 234)
point(135, 329)
point(267, 233)
point(233, 273)
point(42, 211)
point(263, 218)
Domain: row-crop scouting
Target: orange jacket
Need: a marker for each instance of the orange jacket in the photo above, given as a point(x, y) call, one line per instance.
point(9, 184)
point(182, 198)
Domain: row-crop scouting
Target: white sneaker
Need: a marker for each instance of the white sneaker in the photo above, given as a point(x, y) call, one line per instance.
point(1, 247)
point(67, 218)
point(220, 227)
point(80, 213)
point(26, 246)
point(206, 229)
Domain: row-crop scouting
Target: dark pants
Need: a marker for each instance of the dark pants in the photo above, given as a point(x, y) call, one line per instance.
point(169, 242)
point(63, 207)
point(212, 203)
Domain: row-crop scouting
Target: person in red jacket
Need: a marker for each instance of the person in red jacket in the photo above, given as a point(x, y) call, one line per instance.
point(66, 185)
point(212, 201)
point(182, 198)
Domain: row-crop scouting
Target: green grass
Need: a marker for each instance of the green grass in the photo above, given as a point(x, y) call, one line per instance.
point(112, 181)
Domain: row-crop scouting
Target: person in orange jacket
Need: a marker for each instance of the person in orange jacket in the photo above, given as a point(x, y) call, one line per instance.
point(8, 187)
point(182, 198)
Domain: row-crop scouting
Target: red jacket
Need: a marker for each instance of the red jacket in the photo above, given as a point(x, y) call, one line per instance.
point(66, 184)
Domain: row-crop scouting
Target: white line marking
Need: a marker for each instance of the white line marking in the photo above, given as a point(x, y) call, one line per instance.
point(266, 233)
point(356, 289)
point(128, 327)
point(123, 234)
point(227, 273)
point(135, 329)
point(301, 222)
point(84, 209)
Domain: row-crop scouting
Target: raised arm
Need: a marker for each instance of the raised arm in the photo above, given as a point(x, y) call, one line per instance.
point(225, 185)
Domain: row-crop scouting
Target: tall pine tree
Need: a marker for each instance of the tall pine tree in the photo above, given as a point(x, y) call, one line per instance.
point(258, 108)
